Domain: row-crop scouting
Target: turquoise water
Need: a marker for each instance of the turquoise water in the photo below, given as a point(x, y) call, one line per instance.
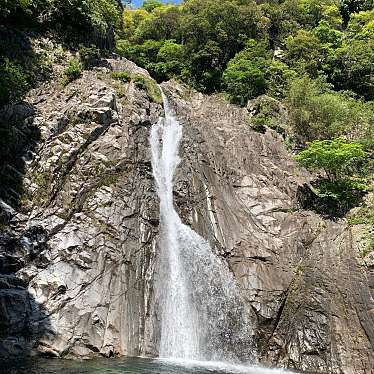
point(125, 366)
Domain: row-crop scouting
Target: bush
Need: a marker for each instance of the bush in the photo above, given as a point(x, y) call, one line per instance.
point(332, 199)
point(317, 112)
point(149, 86)
point(89, 56)
point(14, 81)
point(121, 76)
point(72, 71)
point(245, 76)
point(336, 157)
point(139, 82)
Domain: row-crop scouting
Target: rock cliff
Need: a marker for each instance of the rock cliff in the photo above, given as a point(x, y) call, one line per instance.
point(79, 238)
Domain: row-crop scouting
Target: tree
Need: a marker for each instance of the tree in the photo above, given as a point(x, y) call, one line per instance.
point(305, 53)
point(348, 7)
point(245, 76)
point(328, 35)
point(337, 157)
point(151, 5)
point(317, 112)
point(353, 67)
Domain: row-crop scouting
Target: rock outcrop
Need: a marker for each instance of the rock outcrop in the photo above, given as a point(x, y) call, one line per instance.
point(83, 239)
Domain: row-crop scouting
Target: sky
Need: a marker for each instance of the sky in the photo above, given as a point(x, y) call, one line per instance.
point(138, 3)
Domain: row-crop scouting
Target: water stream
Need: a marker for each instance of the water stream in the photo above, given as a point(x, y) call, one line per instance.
point(203, 316)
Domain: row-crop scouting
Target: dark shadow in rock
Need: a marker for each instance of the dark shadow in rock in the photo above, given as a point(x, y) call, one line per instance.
point(18, 140)
point(332, 200)
point(23, 321)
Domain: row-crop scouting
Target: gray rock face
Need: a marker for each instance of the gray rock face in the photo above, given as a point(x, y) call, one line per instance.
point(84, 240)
point(87, 239)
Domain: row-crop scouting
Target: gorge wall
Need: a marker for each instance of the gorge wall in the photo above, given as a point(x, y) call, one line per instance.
point(78, 246)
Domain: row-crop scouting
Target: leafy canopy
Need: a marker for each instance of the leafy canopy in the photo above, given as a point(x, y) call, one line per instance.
point(336, 157)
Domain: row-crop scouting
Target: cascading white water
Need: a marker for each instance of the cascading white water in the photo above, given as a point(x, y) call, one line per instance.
point(179, 329)
point(202, 315)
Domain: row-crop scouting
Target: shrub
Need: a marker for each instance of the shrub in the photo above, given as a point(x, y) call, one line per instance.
point(13, 81)
point(89, 56)
point(342, 189)
point(121, 76)
point(139, 82)
point(317, 112)
point(149, 86)
point(336, 157)
point(72, 71)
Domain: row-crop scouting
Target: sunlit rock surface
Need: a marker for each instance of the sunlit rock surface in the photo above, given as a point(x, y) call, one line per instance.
point(81, 246)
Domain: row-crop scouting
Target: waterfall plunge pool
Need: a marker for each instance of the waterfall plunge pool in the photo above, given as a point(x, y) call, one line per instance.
point(126, 366)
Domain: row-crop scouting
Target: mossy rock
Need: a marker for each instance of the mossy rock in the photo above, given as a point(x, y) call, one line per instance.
point(150, 86)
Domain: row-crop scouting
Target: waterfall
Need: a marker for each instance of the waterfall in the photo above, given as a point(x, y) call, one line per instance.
point(202, 313)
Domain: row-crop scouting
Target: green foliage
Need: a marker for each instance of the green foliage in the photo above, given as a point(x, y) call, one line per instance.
point(163, 23)
point(354, 67)
point(139, 81)
point(329, 36)
point(305, 53)
point(9, 7)
point(121, 76)
point(348, 7)
point(89, 56)
point(13, 81)
point(163, 59)
point(150, 5)
point(149, 86)
point(89, 15)
point(317, 112)
point(279, 77)
point(196, 40)
point(245, 79)
point(245, 76)
point(170, 59)
point(337, 157)
point(72, 71)
point(343, 188)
